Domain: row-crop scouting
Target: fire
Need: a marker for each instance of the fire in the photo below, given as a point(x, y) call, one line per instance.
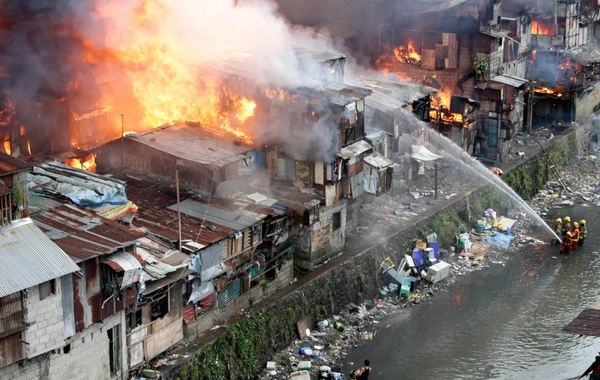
point(542, 27)
point(87, 163)
point(440, 103)
point(546, 90)
point(6, 146)
point(407, 54)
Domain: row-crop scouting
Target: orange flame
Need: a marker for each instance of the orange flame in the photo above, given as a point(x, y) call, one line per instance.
point(407, 54)
point(87, 163)
point(7, 149)
point(546, 90)
point(542, 27)
point(440, 103)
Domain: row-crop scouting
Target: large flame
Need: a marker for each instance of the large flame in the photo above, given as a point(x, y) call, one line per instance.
point(440, 103)
point(542, 27)
point(407, 54)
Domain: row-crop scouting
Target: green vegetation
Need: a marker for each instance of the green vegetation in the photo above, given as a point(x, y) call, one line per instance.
point(529, 179)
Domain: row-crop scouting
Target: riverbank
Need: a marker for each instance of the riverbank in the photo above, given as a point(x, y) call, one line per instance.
point(363, 323)
point(240, 351)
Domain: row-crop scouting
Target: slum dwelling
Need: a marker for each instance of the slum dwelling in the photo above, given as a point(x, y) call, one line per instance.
point(463, 50)
point(563, 64)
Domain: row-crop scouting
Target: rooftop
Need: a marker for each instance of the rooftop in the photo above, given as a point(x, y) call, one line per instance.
point(192, 144)
point(9, 164)
point(83, 234)
point(404, 92)
point(29, 257)
point(155, 217)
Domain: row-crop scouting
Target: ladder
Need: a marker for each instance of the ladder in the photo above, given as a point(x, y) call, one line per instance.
point(552, 168)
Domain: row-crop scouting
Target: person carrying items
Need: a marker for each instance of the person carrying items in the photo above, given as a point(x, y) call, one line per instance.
point(557, 230)
point(582, 231)
point(575, 235)
point(566, 225)
point(361, 373)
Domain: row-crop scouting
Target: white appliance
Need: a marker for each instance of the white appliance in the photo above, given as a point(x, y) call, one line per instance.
point(438, 272)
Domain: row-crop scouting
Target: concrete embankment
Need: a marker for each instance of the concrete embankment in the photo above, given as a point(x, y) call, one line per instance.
point(242, 350)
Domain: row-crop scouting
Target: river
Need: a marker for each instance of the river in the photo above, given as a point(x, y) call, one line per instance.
point(503, 322)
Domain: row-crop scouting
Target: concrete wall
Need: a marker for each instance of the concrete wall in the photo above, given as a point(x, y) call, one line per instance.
point(46, 329)
point(87, 357)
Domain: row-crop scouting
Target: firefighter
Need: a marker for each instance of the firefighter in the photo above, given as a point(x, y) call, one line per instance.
point(557, 230)
point(582, 231)
point(575, 235)
point(566, 225)
point(567, 247)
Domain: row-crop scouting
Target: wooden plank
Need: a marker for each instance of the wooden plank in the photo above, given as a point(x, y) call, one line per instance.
point(449, 39)
point(428, 59)
point(441, 54)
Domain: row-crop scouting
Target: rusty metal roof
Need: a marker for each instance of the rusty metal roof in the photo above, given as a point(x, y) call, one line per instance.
point(154, 216)
point(4, 189)
point(10, 164)
point(587, 322)
point(236, 220)
point(83, 234)
point(29, 257)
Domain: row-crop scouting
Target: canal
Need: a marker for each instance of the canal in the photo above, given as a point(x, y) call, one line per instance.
point(503, 322)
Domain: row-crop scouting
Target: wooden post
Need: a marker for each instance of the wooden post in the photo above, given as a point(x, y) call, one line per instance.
point(178, 208)
point(436, 180)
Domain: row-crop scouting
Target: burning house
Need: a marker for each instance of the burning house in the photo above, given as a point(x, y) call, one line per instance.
point(434, 47)
point(563, 64)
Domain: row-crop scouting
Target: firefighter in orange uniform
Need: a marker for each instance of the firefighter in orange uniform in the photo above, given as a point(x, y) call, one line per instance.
point(575, 235)
point(567, 243)
point(582, 231)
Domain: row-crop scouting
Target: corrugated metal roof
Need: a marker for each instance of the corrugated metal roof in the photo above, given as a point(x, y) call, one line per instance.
point(585, 55)
point(29, 257)
point(83, 234)
point(586, 323)
point(378, 161)
point(10, 164)
point(155, 216)
point(509, 80)
point(383, 102)
point(203, 211)
point(4, 189)
point(355, 149)
point(192, 144)
point(318, 56)
point(402, 91)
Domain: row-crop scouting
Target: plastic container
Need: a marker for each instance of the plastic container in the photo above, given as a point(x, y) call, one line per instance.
point(323, 325)
point(479, 226)
point(339, 326)
point(304, 366)
point(306, 351)
point(507, 231)
point(382, 294)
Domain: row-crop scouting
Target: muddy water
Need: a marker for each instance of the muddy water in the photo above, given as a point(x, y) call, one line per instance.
point(503, 322)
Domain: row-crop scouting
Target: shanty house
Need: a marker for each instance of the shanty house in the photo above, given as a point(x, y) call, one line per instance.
point(564, 60)
point(202, 159)
point(109, 284)
point(14, 197)
point(37, 315)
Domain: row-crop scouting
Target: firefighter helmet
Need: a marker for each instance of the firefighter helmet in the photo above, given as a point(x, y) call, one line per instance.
point(567, 218)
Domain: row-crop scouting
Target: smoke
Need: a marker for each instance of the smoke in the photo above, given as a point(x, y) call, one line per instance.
point(153, 61)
